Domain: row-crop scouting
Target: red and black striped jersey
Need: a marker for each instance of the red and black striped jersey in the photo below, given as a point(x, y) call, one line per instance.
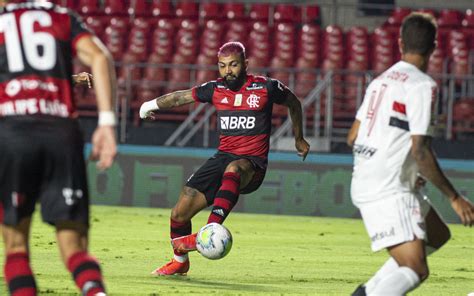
point(244, 116)
point(37, 46)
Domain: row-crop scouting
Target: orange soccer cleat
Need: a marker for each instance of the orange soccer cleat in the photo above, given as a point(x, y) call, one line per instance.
point(184, 244)
point(173, 267)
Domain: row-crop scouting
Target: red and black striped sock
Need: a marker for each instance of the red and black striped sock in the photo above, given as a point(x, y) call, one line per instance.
point(86, 273)
point(226, 198)
point(178, 229)
point(18, 275)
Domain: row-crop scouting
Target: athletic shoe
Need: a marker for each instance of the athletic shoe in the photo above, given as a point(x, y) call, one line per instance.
point(173, 267)
point(184, 244)
point(360, 291)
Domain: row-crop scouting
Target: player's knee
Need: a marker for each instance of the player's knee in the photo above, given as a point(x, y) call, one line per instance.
point(179, 216)
point(233, 168)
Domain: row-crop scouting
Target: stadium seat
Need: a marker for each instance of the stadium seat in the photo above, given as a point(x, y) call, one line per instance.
point(236, 31)
point(287, 13)
point(234, 11)
point(397, 16)
point(449, 18)
point(187, 9)
point(211, 10)
point(113, 7)
point(259, 11)
point(468, 20)
point(139, 8)
point(162, 8)
point(96, 24)
point(87, 7)
point(310, 14)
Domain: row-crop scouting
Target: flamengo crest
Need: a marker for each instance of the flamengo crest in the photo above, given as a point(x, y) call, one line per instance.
point(253, 101)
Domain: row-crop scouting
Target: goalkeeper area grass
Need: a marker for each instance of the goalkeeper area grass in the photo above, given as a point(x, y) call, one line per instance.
point(271, 255)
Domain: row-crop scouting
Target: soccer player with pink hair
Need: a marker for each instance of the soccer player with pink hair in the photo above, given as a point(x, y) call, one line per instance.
point(244, 108)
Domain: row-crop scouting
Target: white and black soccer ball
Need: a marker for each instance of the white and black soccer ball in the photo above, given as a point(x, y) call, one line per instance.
point(214, 241)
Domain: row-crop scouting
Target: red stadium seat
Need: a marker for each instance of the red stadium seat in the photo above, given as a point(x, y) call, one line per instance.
point(211, 10)
point(139, 8)
point(88, 7)
point(70, 4)
point(96, 24)
point(236, 31)
point(162, 8)
point(259, 11)
point(449, 18)
point(113, 7)
point(287, 13)
point(397, 16)
point(468, 20)
point(187, 9)
point(234, 10)
point(310, 14)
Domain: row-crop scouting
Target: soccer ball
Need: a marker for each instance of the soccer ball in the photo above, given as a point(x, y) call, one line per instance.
point(214, 241)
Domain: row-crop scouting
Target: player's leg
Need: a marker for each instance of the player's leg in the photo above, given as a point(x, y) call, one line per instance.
point(237, 176)
point(190, 202)
point(412, 270)
point(85, 269)
point(18, 274)
point(437, 235)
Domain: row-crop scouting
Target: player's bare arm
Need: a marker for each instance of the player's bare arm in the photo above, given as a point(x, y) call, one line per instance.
point(352, 135)
point(296, 114)
point(171, 100)
point(430, 169)
point(93, 53)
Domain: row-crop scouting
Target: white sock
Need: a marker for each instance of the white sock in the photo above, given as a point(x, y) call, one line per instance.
point(397, 283)
point(389, 266)
point(182, 258)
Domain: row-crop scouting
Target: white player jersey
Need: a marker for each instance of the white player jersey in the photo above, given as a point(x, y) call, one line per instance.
point(397, 104)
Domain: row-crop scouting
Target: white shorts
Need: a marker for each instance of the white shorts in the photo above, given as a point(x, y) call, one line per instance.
point(396, 219)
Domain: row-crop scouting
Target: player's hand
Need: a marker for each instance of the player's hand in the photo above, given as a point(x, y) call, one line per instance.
point(464, 208)
point(302, 147)
point(147, 110)
point(82, 78)
point(104, 146)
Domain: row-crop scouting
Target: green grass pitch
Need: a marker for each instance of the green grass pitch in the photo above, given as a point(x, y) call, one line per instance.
point(271, 255)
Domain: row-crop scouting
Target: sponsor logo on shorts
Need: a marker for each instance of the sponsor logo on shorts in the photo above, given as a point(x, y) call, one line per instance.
point(383, 234)
point(237, 122)
point(364, 151)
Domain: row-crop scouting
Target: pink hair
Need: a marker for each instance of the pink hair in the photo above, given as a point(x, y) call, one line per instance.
point(231, 48)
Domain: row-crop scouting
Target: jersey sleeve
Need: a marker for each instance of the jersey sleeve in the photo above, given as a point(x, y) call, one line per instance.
point(78, 29)
point(276, 91)
point(420, 109)
point(204, 92)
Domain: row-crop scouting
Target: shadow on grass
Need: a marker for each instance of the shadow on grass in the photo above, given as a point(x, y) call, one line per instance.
point(205, 284)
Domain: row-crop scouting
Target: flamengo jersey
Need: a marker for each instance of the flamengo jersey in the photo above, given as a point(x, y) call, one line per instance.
point(37, 44)
point(244, 117)
point(397, 104)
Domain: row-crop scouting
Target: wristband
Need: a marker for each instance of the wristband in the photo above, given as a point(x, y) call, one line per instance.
point(107, 118)
point(148, 106)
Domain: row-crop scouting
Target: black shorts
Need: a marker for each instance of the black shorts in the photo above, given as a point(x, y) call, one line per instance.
point(42, 159)
point(208, 178)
